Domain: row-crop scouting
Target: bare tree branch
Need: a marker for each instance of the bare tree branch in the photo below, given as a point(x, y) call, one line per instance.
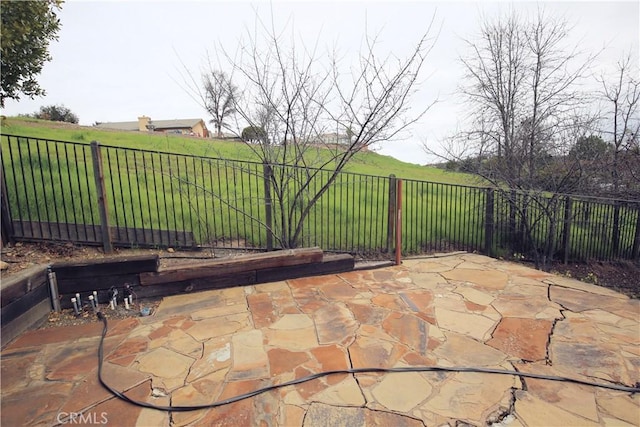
point(526, 113)
point(220, 98)
point(310, 114)
point(622, 123)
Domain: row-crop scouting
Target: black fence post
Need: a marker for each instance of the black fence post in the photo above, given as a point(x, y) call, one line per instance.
point(7, 225)
point(489, 222)
point(268, 206)
point(566, 232)
point(392, 213)
point(102, 197)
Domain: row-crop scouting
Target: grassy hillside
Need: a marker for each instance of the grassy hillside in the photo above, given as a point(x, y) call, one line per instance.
point(366, 163)
point(223, 203)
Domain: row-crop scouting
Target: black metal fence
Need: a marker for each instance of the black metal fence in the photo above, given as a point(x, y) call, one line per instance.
point(98, 194)
point(565, 227)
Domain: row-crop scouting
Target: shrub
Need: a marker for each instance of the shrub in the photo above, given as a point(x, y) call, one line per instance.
point(56, 113)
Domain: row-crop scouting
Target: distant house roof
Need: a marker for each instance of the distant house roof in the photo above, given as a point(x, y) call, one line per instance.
point(158, 124)
point(179, 123)
point(119, 125)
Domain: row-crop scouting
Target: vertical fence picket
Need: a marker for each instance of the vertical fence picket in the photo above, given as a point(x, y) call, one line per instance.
point(489, 221)
point(267, 204)
point(102, 199)
point(615, 238)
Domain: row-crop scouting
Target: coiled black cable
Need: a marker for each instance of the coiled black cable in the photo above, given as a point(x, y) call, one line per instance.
point(243, 396)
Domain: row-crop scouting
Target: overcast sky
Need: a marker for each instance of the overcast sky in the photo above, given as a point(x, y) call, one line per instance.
point(117, 60)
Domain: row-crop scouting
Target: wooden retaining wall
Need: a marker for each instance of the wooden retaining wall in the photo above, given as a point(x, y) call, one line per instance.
point(26, 300)
point(147, 279)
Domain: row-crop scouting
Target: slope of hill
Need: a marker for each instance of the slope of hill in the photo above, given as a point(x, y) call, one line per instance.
point(369, 163)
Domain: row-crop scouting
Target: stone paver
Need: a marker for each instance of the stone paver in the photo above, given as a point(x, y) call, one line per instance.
point(472, 397)
point(402, 392)
point(216, 355)
point(456, 310)
point(473, 325)
point(461, 350)
point(487, 280)
point(249, 356)
point(164, 363)
point(524, 339)
point(577, 399)
point(535, 411)
point(335, 324)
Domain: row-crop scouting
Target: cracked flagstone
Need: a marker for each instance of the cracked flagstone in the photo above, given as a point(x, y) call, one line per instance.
point(164, 363)
point(620, 406)
point(458, 310)
point(296, 333)
point(249, 357)
point(335, 324)
point(527, 307)
point(475, 326)
point(471, 396)
point(490, 279)
point(474, 295)
point(320, 414)
point(218, 326)
point(460, 350)
point(216, 355)
point(522, 338)
point(573, 398)
point(402, 392)
point(532, 411)
point(346, 392)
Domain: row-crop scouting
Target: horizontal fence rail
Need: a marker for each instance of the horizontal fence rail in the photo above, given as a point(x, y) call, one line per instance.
point(99, 194)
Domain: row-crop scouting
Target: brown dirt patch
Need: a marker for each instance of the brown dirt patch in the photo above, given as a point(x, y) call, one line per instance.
point(622, 276)
point(67, 317)
point(24, 255)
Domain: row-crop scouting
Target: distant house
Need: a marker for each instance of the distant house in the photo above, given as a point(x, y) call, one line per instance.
point(193, 127)
point(336, 140)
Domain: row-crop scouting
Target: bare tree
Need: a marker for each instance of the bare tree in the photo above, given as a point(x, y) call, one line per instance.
point(622, 95)
point(525, 112)
point(314, 114)
point(622, 126)
point(521, 85)
point(220, 96)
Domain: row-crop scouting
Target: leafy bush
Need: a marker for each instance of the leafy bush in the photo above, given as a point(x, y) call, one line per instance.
point(254, 134)
point(56, 113)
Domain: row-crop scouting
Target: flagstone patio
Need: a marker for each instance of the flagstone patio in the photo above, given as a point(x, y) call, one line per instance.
point(452, 310)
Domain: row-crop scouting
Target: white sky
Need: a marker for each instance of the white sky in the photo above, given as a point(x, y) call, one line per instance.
point(117, 60)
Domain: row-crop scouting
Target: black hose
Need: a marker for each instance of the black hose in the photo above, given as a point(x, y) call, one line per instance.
point(243, 396)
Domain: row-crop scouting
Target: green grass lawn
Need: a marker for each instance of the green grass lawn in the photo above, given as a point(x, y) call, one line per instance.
point(180, 183)
point(369, 163)
point(218, 200)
